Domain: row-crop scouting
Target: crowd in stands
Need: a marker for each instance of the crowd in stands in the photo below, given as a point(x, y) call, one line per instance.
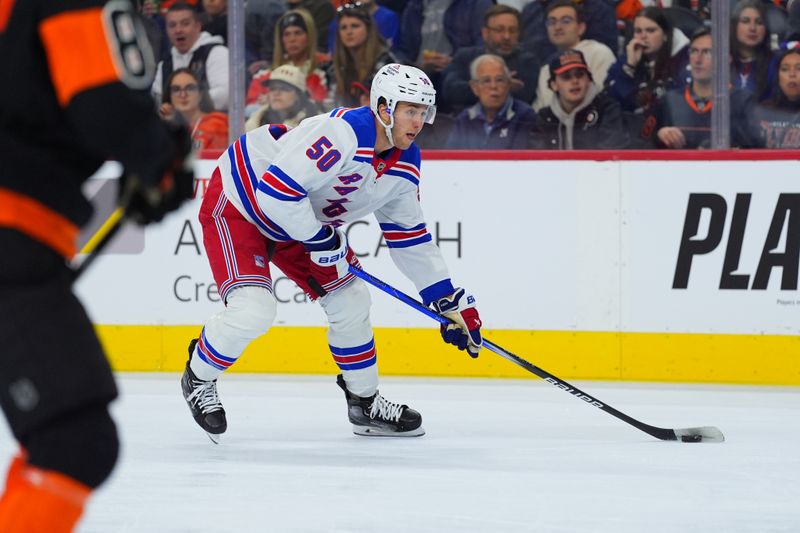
point(515, 74)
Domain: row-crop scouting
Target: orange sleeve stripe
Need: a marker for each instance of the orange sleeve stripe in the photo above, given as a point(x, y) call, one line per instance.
point(78, 52)
point(5, 13)
point(38, 221)
point(42, 499)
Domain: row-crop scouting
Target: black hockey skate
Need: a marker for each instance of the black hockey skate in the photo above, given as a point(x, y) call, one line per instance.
point(377, 417)
point(203, 401)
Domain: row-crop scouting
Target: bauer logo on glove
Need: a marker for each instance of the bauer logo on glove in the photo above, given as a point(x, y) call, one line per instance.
point(330, 259)
point(465, 329)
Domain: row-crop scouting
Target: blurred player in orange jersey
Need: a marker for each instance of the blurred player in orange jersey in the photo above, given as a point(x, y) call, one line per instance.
point(73, 93)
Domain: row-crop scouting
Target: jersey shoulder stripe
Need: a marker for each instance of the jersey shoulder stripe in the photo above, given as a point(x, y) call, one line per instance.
point(246, 183)
point(364, 155)
point(339, 111)
point(407, 173)
point(362, 121)
point(276, 183)
point(407, 165)
point(411, 156)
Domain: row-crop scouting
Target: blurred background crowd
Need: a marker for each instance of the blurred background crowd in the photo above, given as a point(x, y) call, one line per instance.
point(518, 74)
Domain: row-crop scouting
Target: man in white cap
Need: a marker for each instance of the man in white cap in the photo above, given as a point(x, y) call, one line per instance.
point(279, 197)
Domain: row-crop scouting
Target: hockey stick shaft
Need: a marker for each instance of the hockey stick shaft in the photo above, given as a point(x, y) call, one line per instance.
point(97, 243)
point(659, 433)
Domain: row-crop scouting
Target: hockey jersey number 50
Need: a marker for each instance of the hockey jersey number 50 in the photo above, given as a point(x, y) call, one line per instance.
point(325, 173)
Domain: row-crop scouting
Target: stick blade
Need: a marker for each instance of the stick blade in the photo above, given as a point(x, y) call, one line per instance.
point(701, 434)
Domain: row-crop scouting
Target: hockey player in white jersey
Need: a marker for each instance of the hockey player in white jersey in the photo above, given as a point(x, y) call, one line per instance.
point(278, 197)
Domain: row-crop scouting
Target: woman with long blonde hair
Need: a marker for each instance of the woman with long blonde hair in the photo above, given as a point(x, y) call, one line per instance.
point(358, 54)
point(295, 44)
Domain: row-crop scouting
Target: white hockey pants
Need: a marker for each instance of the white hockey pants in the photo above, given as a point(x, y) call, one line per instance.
point(250, 313)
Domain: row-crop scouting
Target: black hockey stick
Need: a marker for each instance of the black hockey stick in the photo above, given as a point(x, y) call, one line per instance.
point(697, 434)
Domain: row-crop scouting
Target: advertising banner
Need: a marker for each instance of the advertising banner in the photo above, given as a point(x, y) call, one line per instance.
point(589, 252)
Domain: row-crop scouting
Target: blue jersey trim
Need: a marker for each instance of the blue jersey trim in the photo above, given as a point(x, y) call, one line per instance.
point(254, 180)
point(402, 174)
point(437, 290)
point(354, 350)
point(324, 239)
point(396, 227)
point(412, 242)
point(358, 366)
point(269, 191)
point(237, 181)
point(277, 130)
point(287, 179)
point(411, 155)
point(214, 352)
point(363, 123)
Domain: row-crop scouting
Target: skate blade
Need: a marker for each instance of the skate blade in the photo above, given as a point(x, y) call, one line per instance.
point(215, 437)
point(378, 432)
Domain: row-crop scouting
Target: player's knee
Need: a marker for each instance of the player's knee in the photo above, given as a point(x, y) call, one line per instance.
point(251, 309)
point(349, 306)
point(82, 444)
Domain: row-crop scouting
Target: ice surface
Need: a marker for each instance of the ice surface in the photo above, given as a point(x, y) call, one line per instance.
point(499, 456)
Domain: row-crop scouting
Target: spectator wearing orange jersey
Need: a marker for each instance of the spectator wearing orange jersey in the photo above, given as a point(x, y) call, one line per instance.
point(189, 103)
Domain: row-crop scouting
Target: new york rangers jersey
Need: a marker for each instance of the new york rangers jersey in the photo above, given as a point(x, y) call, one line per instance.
point(324, 172)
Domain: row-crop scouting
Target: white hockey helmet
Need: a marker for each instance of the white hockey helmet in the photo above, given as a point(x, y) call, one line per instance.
point(402, 83)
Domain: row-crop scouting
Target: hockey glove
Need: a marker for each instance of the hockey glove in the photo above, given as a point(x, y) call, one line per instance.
point(330, 257)
point(147, 199)
point(465, 331)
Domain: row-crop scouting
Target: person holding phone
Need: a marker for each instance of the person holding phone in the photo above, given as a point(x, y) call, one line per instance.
point(654, 62)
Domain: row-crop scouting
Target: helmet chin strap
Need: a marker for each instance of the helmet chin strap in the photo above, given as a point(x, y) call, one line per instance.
point(388, 127)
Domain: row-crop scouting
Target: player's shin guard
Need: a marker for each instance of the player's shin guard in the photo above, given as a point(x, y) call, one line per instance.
point(36, 500)
point(249, 313)
point(350, 337)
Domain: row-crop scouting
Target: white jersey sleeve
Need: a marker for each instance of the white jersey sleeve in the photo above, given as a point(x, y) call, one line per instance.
point(308, 156)
point(410, 245)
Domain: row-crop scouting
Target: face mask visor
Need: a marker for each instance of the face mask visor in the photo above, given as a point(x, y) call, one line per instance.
point(430, 114)
point(427, 114)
